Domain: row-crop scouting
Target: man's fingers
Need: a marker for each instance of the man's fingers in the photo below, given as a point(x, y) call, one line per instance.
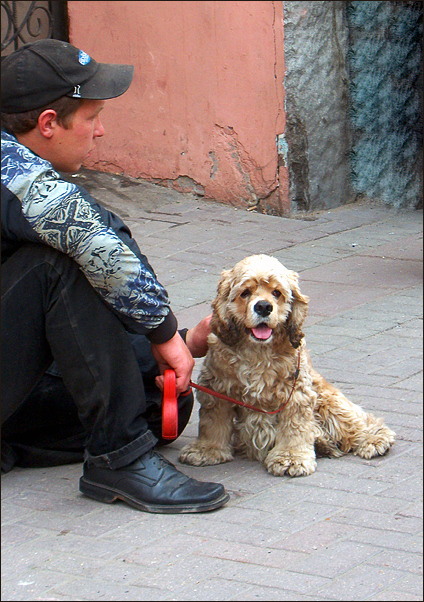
point(182, 384)
point(159, 380)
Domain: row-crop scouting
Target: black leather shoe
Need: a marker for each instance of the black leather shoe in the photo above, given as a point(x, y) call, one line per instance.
point(152, 484)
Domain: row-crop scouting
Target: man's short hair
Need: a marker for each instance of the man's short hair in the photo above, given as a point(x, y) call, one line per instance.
point(21, 123)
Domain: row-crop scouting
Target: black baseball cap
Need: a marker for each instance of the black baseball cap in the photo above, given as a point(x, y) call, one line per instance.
point(46, 70)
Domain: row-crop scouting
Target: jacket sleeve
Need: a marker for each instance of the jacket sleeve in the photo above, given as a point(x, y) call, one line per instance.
point(67, 218)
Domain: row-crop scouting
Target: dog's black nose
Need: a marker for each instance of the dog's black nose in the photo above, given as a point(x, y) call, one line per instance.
point(263, 308)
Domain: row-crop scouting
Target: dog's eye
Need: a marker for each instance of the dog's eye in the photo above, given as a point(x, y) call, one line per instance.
point(246, 293)
point(276, 294)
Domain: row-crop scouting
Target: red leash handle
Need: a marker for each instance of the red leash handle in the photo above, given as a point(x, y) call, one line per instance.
point(169, 406)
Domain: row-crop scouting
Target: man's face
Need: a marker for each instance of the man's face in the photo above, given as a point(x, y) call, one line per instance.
point(73, 145)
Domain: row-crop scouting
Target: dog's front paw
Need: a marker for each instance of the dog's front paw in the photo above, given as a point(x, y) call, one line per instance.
point(293, 463)
point(202, 454)
point(375, 444)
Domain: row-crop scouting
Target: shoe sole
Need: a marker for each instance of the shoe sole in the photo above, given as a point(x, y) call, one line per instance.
point(109, 496)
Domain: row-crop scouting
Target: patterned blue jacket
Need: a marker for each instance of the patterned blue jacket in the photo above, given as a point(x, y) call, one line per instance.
point(37, 205)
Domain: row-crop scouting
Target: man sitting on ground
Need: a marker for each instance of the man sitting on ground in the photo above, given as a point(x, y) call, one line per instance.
point(87, 329)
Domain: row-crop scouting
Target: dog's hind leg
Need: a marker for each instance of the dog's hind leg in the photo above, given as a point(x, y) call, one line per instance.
point(214, 442)
point(347, 425)
point(376, 439)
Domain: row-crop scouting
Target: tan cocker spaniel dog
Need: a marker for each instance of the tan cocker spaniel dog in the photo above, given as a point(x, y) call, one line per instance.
point(257, 356)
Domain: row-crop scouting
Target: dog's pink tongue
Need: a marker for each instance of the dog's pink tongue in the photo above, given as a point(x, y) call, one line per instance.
point(262, 332)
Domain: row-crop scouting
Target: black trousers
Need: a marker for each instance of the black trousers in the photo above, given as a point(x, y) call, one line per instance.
point(74, 382)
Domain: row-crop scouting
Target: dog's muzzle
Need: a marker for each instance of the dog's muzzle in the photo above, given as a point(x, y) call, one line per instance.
point(262, 332)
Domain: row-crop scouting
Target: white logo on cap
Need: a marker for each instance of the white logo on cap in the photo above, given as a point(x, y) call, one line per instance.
point(83, 58)
point(77, 93)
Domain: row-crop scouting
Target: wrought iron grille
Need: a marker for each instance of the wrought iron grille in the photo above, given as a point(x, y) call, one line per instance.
point(23, 22)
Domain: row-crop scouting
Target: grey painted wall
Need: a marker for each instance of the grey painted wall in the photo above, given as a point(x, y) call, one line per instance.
point(317, 104)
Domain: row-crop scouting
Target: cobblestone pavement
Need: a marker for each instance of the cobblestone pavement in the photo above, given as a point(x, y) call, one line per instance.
point(350, 531)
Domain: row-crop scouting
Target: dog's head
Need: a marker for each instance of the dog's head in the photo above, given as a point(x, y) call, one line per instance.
point(259, 300)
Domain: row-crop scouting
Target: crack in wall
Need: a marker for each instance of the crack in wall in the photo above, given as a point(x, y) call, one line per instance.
point(214, 167)
point(276, 79)
point(246, 166)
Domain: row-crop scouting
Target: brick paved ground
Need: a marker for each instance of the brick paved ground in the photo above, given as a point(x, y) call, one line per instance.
point(352, 530)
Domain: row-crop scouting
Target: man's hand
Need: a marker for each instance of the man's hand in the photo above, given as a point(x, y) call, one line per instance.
point(179, 356)
point(176, 355)
point(196, 338)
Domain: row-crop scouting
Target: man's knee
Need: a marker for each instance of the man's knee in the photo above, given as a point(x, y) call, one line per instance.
point(32, 258)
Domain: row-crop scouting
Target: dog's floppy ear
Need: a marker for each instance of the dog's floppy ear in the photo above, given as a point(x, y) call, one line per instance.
point(223, 326)
point(224, 286)
point(298, 311)
point(228, 332)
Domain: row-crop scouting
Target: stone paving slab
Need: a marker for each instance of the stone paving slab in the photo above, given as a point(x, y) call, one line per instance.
point(350, 531)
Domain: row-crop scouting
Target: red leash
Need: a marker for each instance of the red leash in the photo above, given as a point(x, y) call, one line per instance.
point(170, 407)
point(246, 405)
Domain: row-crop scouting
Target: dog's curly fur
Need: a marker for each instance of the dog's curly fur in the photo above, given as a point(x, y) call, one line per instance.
point(254, 349)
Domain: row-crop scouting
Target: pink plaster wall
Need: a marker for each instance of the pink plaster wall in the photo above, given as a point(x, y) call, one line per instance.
point(207, 99)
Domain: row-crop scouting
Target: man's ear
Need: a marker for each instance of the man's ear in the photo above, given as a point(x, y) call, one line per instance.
point(47, 123)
